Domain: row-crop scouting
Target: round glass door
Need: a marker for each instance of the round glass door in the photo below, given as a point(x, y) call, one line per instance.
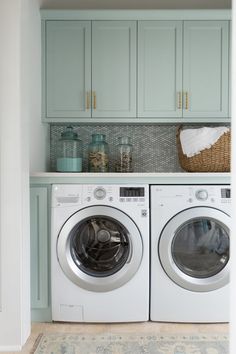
point(99, 248)
point(194, 249)
point(200, 248)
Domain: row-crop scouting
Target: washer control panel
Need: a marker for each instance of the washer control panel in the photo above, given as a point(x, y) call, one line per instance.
point(132, 194)
point(115, 193)
point(99, 193)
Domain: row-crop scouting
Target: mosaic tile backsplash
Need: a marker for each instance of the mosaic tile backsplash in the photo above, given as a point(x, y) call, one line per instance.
point(154, 146)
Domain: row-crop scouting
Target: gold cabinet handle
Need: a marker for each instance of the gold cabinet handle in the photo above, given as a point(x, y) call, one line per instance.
point(179, 100)
point(94, 100)
point(186, 100)
point(87, 100)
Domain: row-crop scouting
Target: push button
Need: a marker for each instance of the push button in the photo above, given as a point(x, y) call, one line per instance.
point(144, 213)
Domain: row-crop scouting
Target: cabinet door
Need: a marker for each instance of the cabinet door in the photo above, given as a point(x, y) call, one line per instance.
point(160, 69)
point(114, 68)
point(205, 79)
point(39, 247)
point(230, 67)
point(68, 69)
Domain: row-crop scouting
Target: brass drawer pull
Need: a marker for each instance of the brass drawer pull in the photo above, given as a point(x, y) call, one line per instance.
point(186, 100)
point(94, 100)
point(87, 100)
point(179, 100)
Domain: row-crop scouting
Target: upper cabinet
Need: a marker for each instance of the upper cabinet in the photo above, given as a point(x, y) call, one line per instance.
point(67, 69)
point(90, 69)
point(206, 69)
point(183, 78)
point(131, 66)
point(159, 68)
point(114, 69)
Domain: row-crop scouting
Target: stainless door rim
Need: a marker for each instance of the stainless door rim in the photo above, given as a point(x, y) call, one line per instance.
point(88, 282)
point(165, 251)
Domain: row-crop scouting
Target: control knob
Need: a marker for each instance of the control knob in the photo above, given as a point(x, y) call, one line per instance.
point(99, 193)
point(201, 194)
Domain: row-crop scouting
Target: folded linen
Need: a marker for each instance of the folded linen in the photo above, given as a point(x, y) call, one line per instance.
point(193, 141)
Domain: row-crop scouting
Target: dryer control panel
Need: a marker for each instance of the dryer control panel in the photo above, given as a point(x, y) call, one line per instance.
point(178, 197)
point(210, 194)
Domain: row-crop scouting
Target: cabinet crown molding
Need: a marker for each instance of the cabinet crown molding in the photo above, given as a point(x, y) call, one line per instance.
point(136, 14)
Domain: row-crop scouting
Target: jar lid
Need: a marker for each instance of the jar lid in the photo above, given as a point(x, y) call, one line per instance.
point(98, 137)
point(69, 133)
point(124, 140)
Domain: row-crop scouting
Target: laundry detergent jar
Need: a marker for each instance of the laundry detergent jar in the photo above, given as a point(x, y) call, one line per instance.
point(69, 152)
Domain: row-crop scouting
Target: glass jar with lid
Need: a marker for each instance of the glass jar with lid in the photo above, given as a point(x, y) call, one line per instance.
point(124, 155)
point(98, 159)
point(69, 152)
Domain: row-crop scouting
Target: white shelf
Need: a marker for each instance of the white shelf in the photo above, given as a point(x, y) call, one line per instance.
point(130, 175)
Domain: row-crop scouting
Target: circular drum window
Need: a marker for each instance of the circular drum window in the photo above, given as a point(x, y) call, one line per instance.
point(99, 248)
point(100, 245)
point(194, 249)
point(200, 248)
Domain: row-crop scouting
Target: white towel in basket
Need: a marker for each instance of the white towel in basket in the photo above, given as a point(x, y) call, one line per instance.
point(193, 141)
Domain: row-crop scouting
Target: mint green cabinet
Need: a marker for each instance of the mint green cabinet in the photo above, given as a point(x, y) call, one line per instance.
point(67, 68)
point(39, 247)
point(186, 78)
point(89, 69)
point(152, 70)
point(114, 68)
point(230, 67)
point(159, 68)
point(206, 69)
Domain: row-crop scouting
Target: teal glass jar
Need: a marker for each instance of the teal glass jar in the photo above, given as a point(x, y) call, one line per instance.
point(69, 152)
point(98, 154)
point(124, 155)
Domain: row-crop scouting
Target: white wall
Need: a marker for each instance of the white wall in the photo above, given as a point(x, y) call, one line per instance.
point(233, 228)
point(39, 133)
point(16, 109)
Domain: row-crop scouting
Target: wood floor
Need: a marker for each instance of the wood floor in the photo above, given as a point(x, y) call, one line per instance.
point(142, 328)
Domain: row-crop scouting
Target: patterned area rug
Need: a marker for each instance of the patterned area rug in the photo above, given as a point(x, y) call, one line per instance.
point(54, 343)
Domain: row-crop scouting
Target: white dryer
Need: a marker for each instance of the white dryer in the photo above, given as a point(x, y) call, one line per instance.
point(190, 253)
point(100, 253)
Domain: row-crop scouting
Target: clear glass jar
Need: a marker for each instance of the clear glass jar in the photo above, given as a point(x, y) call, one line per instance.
point(98, 159)
point(69, 152)
point(124, 155)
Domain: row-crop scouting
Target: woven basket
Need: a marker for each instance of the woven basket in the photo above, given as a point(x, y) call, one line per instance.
point(214, 159)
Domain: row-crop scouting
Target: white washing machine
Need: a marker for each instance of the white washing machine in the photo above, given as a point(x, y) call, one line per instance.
point(100, 253)
point(190, 253)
